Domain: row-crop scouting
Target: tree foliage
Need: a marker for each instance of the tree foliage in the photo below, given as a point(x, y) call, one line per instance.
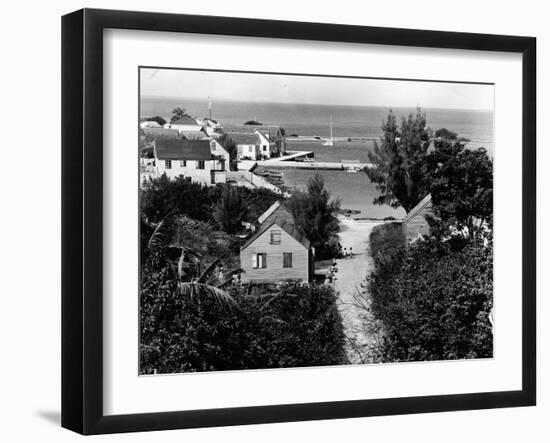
point(315, 216)
point(295, 326)
point(461, 185)
point(157, 118)
point(435, 303)
point(398, 161)
point(178, 113)
point(230, 210)
point(161, 196)
point(229, 145)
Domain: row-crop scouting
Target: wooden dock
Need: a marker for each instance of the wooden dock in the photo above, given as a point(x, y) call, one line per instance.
point(304, 160)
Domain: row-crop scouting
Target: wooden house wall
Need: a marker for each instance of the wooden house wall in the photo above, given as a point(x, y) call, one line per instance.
point(274, 272)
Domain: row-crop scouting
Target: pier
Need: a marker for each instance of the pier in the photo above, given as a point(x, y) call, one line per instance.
point(304, 160)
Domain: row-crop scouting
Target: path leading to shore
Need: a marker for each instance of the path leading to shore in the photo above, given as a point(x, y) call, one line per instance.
point(351, 274)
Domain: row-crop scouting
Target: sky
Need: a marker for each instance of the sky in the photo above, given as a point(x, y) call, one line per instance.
point(278, 88)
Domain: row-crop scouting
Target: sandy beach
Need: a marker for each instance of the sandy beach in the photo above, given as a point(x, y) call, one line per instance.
point(351, 274)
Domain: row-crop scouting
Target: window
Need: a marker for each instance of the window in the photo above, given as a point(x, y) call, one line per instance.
point(275, 237)
point(287, 259)
point(259, 260)
point(168, 164)
point(183, 163)
point(200, 164)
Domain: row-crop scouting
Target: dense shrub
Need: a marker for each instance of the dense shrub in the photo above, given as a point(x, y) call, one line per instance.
point(162, 196)
point(294, 326)
point(386, 241)
point(435, 303)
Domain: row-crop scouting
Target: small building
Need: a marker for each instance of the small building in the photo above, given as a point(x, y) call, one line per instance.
point(185, 124)
point(268, 148)
point(277, 251)
point(149, 124)
point(272, 139)
point(211, 127)
point(248, 145)
point(203, 161)
point(415, 225)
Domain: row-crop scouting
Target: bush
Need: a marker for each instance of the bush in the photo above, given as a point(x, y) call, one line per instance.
point(386, 241)
point(163, 196)
point(435, 303)
point(295, 326)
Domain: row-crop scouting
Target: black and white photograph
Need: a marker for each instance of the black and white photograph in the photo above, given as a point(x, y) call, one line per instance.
point(292, 221)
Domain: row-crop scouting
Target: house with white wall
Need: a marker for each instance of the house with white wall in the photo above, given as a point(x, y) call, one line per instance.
point(211, 127)
point(277, 251)
point(248, 145)
point(203, 161)
point(270, 137)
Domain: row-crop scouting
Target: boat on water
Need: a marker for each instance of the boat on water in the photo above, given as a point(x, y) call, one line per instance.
point(329, 141)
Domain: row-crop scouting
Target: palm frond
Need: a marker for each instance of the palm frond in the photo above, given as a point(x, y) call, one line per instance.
point(209, 268)
point(221, 297)
point(158, 236)
point(186, 253)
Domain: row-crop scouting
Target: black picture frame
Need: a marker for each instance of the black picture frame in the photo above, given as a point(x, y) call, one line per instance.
point(82, 215)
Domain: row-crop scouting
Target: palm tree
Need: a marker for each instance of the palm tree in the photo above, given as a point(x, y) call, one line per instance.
point(195, 279)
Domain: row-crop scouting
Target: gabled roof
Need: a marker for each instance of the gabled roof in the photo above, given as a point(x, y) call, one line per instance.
point(243, 138)
point(280, 211)
point(168, 149)
point(186, 121)
point(269, 211)
point(272, 130)
point(421, 205)
point(161, 132)
point(289, 228)
point(192, 135)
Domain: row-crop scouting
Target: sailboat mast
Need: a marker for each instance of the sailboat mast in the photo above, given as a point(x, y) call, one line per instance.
point(331, 127)
point(210, 108)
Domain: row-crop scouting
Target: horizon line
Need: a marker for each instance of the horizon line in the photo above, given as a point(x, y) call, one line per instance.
point(317, 104)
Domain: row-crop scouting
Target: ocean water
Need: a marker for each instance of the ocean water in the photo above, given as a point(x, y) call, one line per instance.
point(355, 190)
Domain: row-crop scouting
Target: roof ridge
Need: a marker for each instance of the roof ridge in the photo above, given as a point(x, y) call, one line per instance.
point(420, 205)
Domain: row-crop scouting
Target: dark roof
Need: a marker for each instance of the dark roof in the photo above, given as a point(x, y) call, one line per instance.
point(168, 149)
point(421, 205)
point(285, 225)
point(161, 132)
point(243, 139)
point(280, 212)
point(185, 121)
point(272, 130)
point(192, 135)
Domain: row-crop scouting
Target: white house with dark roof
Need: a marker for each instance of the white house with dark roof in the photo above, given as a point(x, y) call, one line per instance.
point(203, 161)
point(271, 138)
point(211, 127)
point(277, 251)
point(149, 124)
point(187, 123)
point(248, 145)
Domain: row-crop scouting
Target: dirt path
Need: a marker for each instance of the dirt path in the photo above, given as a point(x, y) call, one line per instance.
point(351, 274)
